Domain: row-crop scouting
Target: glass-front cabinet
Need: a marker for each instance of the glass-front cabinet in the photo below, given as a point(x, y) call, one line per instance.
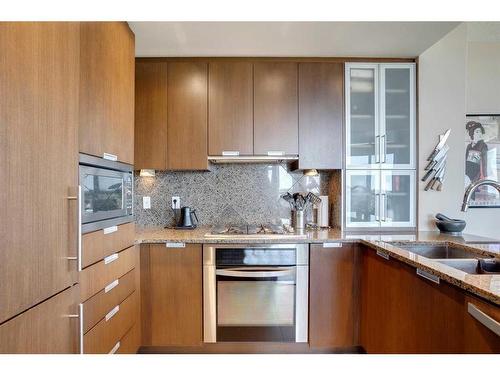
point(380, 199)
point(380, 116)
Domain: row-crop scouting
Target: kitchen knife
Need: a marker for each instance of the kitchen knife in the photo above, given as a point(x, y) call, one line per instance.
point(435, 167)
point(440, 144)
point(441, 154)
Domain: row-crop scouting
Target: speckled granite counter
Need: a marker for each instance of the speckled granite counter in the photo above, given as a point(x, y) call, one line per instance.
point(486, 286)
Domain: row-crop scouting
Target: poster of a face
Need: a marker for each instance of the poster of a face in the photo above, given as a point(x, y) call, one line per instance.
point(482, 157)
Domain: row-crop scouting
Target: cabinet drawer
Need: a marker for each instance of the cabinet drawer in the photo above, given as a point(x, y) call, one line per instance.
point(96, 307)
point(99, 244)
point(96, 277)
point(130, 343)
point(102, 338)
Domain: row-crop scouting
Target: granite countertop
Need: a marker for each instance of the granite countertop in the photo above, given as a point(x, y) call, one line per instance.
point(486, 286)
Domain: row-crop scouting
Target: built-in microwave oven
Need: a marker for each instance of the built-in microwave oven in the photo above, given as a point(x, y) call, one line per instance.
point(106, 193)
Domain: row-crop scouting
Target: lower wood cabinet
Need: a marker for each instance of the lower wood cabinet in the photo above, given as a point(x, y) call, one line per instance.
point(48, 328)
point(171, 280)
point(402, 312)
point(334, 295)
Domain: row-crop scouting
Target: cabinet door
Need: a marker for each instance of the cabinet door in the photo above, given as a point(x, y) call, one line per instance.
point(481, 320)
point(230, 108)
point(38, 161)
point(187, 116)
point(362, 199)
point(397, 199)
point(397, 114)
point(275, 108)
point(362, 113)
point(171, 282)
point(334, 295)
point(48, 328)
point(151, 115)
point(320, 115)
point(107, 90)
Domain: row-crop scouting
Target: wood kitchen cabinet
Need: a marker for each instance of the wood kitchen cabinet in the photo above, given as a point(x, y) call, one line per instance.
point(334, 295)
point(402, 312)
point(275, 108)
point(38, 163)
point(320, 115)
point(230, 108)
point(171, 115)
point(50, 327)
point(151, 115)
point(107, 90)
point(187, 116)
point(479, 338)
point(171, 281)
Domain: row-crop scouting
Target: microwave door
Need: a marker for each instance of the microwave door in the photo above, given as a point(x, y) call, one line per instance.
point(103, 194)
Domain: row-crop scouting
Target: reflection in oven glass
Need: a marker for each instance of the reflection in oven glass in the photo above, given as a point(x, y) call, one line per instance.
point(102, 193)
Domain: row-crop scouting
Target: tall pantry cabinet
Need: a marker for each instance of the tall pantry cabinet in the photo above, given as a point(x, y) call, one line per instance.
point(379, 183)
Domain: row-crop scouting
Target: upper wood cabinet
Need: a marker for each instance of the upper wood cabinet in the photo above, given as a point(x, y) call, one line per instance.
point(334, 295)
point(107, 90)
point(275, 108)
point(171, 282)
point(320, 115)
point(47, 328)
point(39, 75)
point(230, 108)
point(151, 115)
point(187, 116)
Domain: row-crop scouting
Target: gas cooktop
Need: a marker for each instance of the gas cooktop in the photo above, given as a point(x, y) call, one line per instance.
point(254, 231)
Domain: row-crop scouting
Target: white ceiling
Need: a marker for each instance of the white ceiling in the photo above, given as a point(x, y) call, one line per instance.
point(354, 39)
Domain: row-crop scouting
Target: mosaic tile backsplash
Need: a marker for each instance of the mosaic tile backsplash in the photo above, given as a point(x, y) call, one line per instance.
point(230, 193)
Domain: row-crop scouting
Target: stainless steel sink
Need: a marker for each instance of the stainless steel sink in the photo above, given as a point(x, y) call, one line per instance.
point(467, 265)
point(437, 250)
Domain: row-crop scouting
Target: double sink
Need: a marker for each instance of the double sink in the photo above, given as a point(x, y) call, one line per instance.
point(453, 256)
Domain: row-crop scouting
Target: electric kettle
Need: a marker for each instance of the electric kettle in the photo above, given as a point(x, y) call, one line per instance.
point(187, 218)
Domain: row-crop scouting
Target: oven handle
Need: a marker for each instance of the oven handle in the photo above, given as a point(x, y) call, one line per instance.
point(246, 272)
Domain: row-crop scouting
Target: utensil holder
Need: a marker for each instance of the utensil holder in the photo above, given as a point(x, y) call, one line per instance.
point(298, 221)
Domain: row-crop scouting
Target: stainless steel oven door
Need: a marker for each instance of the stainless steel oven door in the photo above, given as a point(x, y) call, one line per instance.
point(255, 303)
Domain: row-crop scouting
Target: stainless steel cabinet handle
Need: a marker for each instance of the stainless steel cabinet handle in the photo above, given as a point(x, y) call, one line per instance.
point(109, 156)
point(484, 319)
point(275, 153)
point(115, 348)
point(384, 147)
point(112, 313)
point(428, 276)
point(377, 207)
point(383, 206)
point(78, 255)
point(80, 325)
point(230, 153)
point(383, 255)
point(377, 149)
point(274, 272)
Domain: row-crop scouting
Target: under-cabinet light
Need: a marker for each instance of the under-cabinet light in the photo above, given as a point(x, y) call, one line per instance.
point(147, 173)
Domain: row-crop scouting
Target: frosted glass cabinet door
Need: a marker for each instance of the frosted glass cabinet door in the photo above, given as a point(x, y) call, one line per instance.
point(397, 116)
point(362, 116)
point(362, 197)
point(397, 199)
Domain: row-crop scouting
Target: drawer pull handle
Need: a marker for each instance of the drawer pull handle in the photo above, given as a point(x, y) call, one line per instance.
point(484, 319)
point(112, 312)
point(332, 244)
point(428, 276)
point(109, 156)
point(230, 153)
point(111, 286)
point(111, 258)
point(275, 153)
point(175, 244)
point(115, 348)
point(383, 255)
point(109, 230)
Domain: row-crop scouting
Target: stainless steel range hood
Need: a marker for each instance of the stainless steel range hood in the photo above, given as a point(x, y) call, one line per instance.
point(252, 159)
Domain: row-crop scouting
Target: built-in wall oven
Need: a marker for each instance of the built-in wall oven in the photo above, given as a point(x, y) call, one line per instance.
point(255, 292)
point(106, 193)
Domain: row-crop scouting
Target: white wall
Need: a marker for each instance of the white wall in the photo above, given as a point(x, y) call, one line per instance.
point(483, 77)
point(448, 89)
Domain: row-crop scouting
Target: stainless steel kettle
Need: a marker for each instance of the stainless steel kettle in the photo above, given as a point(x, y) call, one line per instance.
point(188, 218)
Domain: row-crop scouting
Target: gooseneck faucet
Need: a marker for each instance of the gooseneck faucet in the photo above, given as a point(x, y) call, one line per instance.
point(472, 187)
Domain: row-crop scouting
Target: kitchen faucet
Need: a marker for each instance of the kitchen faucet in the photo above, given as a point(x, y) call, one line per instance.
point(472, 187)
